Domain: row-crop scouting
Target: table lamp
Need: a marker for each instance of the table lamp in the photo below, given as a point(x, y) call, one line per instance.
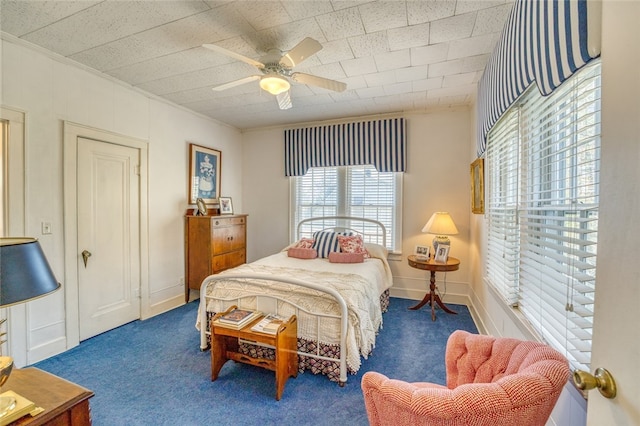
point(441, 225)
point(25, 275)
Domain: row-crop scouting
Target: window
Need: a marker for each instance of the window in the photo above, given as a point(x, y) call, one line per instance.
point(543, 161)
point(359, 191)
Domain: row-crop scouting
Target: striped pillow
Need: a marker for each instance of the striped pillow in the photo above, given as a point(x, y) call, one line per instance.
point(326, 242)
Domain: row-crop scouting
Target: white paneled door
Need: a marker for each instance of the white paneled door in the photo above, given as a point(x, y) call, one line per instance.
point(108, 215)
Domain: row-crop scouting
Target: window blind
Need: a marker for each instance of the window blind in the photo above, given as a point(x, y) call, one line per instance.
point(359, 191)
point(554, 232)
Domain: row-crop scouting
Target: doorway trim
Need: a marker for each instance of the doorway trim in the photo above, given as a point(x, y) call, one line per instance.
point(72, 132)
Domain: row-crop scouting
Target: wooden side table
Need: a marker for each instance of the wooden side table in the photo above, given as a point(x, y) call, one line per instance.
point(64, 402)
point(224, 346)
point(432, 266)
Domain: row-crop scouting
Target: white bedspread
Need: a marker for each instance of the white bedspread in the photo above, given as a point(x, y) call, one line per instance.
point(360, 284)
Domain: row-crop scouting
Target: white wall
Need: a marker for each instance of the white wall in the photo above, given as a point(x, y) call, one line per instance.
point(615, 283)
point(437, 179)
point(50, 91)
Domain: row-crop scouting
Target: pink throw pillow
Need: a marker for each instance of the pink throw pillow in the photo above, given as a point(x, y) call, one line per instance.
point(306, 243)
point(335, 257)
point(352, 244)
point(302, 253)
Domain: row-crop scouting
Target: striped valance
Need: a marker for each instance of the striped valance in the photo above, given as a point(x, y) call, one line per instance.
point(381, 143)
point(543, 41)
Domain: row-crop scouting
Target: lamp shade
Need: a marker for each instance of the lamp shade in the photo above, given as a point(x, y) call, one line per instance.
point(25, 273)
point(440, 223)
point(274, 84)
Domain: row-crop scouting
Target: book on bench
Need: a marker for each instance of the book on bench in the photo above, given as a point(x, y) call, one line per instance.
point(236, 318)
point(269, 324)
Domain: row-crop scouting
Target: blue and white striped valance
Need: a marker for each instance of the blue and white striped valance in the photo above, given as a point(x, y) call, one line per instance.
point(381, 143)
point(545, 41)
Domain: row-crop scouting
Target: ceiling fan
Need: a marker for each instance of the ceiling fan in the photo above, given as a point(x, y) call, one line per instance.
point(277, 68)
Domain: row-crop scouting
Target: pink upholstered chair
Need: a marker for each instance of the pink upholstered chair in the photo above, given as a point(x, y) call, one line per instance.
point(490, 381)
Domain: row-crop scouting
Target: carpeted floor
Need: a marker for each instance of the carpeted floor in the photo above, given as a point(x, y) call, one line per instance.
point(153, 373)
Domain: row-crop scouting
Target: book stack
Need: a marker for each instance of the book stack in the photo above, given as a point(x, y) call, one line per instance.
point(236, 318)
point(269, 324)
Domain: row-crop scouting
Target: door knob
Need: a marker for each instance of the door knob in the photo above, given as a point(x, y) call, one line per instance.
point(602, 379)
point(85, 256)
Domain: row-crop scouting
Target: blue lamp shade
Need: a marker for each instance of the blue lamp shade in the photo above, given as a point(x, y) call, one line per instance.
point(25, 273)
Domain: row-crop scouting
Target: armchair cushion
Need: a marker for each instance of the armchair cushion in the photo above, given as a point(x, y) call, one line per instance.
point(490, 381)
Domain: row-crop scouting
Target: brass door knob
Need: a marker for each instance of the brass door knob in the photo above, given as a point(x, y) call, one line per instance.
point(602, 379)
point(85, 257)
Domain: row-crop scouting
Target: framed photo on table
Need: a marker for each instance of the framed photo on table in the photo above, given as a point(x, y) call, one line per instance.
point(225, 205)
point(422, 252)
point(204, 174)
point(442, 254)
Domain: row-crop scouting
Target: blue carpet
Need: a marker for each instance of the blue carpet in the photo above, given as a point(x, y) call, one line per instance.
point(153, 373)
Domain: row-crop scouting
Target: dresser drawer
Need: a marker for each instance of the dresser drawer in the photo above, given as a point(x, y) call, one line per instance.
point(228, 238)
point(228, 260)
point(227, 221)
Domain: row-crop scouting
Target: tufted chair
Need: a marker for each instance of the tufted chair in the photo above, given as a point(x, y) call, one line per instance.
point(490, 381)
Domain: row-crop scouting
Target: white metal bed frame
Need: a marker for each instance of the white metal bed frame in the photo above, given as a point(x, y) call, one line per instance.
point(260, 298)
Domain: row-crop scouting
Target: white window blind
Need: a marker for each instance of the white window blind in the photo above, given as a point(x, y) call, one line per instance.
point(557, 214)
point(359, 191)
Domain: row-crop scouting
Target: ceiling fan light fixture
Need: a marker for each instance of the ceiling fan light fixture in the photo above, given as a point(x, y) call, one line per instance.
point(274, 84)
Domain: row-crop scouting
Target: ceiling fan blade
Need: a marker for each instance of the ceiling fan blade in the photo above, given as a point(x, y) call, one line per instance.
point(300, 52)
point(314, 80)
point(284, 100)
point(235, 83)
point(234, 55)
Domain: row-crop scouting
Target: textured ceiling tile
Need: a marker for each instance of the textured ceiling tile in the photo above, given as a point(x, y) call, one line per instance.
point(359, 66)
point(459, 79)
point(429, 54)
point(263, 14)
point(492, 20)
point(168, 65)
point(380, 78)
point(334, 71)
point(419, 12)
point(285, 37)
point(109, 21)
point(411, 73)
point(370, 92)
point(335, 51)
point(354, 83)
point(427, 84)
point(345, 4)
point(393, 60)
point(305, 9)
point(465, 6)
point(342, 24)
point(453, 28)
point(22, 17)
point(452, 91)
point(472, 46)
point(369, 44)
point(383, 15)
point(413, 36)
point(446, 68)
point(397, 88)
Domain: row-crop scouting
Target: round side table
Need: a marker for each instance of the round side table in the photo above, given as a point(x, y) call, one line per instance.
point(432, 266)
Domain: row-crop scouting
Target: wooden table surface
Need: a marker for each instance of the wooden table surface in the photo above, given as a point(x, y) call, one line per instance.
point(64, 402)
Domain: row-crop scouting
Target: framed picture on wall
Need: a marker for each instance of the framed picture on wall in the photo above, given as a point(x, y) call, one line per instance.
point(477, 186)
point(204, 174)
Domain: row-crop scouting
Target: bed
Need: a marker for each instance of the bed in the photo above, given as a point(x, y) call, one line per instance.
point(339, 306)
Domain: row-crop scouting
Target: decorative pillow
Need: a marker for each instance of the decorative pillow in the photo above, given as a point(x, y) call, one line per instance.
point(306, 243)
point(352, 244)
point(302, 253)
point(335, 257)
point(326, 242)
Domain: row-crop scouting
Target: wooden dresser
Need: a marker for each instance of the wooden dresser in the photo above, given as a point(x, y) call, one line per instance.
point(64, 403)
point(213, 244)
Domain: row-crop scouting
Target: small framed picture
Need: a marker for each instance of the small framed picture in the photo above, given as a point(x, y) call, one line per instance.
point(442, 254)
point(225, 205)
point(422, 252)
